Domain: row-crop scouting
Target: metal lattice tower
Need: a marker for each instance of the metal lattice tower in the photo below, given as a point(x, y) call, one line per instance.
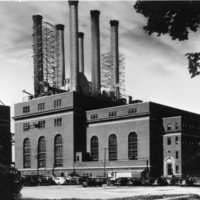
point(51, 55)
point(107, 73)
point(46, 54)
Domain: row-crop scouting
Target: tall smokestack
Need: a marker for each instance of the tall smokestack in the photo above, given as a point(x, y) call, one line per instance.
point(81, 51)
point(38, 54)
point(96, 78)
point(115, 55)
point(61, 70)
point(73, 37)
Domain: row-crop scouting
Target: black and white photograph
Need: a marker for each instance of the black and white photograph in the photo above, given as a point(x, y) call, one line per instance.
point(99, 100)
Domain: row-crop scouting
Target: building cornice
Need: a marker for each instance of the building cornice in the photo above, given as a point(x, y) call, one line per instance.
point(44, 113)
point(114, 118)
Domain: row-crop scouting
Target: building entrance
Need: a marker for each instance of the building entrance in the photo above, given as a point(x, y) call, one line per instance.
point(169, 169)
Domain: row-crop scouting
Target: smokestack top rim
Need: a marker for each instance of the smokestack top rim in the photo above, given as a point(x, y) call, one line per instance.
point(73, 2)
point(37, 17)
point(80, 34)
point(60, 27)
point(114, 22)
point(94, 12)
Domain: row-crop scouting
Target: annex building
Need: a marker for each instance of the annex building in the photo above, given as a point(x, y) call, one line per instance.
point(91, 131)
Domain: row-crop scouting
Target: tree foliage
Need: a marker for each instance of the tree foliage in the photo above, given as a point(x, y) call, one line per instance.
point(10, 185)
point(175, 18)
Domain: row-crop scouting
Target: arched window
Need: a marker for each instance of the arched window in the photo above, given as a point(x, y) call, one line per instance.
point(58, 151)
point(112, 147)
point(27, 153)
point(94, 145)
point(41, 152)
point(132, 146)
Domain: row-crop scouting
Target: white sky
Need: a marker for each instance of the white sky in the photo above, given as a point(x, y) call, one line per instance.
point(156, 68)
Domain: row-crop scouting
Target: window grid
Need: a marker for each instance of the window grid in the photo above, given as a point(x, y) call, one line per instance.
point(27, 153)
point(112, 114)
point(132, 111)
point(42, 153)
point(132, 146)
point(112, 147)
point(58, 151)
point(26, 126)
point(41, 106)
point(57, 103)
point(42, 124)
point(94, 148)
point(57, 122)
point(94, 116)
point(26, 109)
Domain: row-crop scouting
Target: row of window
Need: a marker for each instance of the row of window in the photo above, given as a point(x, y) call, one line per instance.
point(41, 106)
point(187, 141)
point(169, 126)
point(184, 125)
point(94, 143)
point(41, 152)
point(112, 147)
point(41, 124)
point(114, 113)
point(169, 140)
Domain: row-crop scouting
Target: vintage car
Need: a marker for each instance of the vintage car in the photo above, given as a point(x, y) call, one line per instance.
point(92, 182)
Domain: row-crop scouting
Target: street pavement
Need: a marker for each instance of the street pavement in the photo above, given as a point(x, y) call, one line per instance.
point(104, 192)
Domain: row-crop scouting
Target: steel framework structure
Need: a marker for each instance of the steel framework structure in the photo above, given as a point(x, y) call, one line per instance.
point(49, 52)
point(107, 73)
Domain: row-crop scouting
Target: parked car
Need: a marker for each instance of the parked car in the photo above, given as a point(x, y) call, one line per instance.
point(59, 180)
point(47, 180)
point(122, 181)
point(89, 182)
point(138, 181)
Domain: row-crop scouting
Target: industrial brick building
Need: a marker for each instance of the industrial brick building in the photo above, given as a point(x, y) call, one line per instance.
point(93, 131)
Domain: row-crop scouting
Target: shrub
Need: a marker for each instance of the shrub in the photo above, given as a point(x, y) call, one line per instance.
point(10, 185)
point(162, 181)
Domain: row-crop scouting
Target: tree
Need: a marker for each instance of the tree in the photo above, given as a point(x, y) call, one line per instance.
point(10, 185)
point(175, 18)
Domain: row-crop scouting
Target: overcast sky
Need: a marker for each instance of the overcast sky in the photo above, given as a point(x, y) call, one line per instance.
point(156, 68)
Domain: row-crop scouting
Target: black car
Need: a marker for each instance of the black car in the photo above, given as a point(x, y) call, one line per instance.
point(122, 181)
point(92, 182)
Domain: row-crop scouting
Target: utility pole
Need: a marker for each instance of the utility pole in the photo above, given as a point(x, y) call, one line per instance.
point(104, 163)
point(37, 156)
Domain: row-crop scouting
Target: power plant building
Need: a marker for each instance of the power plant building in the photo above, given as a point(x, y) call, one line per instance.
point(93, 132)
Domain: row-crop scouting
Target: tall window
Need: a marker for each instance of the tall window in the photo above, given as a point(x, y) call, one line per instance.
point(177, 156)
point(27, 153)
point(112, 147)
point(41, 106)
point(42, 152)
point(58, 151)
point(58, 122)
point(132, 146)
point(169, 140)
point(94, 148)
point(57, 103)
